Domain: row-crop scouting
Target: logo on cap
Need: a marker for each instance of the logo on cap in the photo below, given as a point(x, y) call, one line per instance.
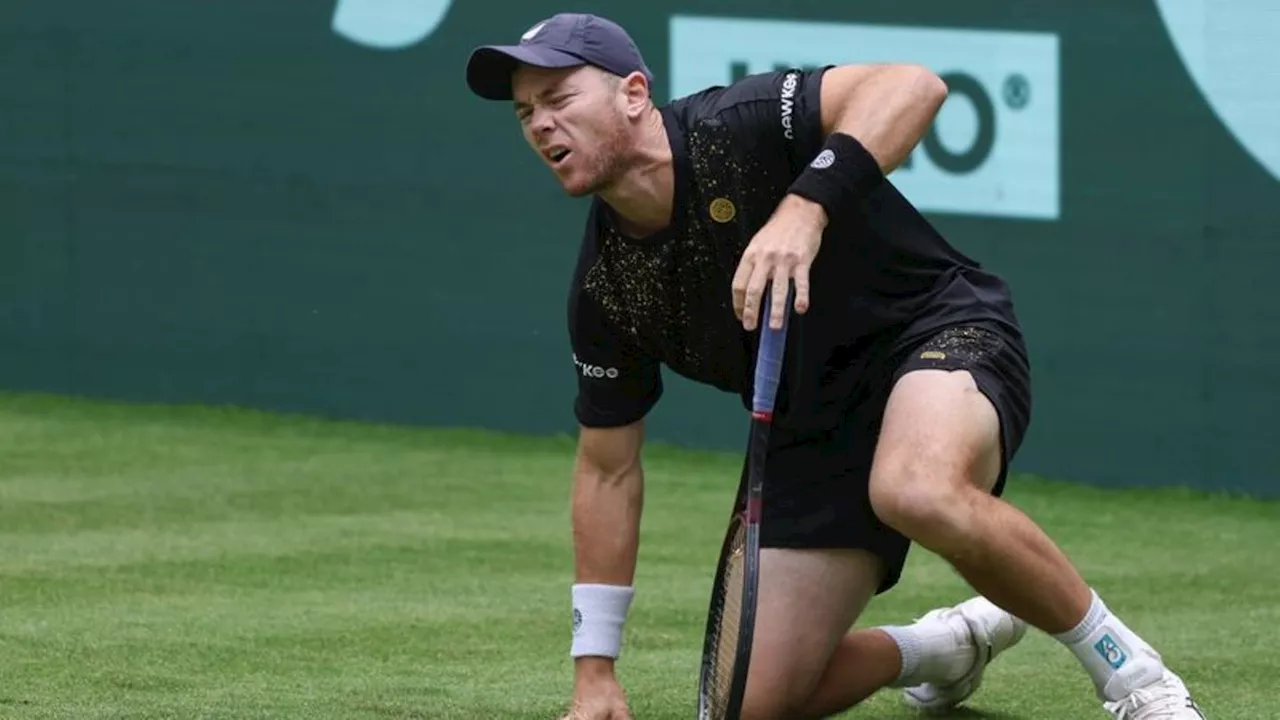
point(532, 32)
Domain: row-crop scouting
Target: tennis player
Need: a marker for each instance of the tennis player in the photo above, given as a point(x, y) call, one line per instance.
point(905, 391)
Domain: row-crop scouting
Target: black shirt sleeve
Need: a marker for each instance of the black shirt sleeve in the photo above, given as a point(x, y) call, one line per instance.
point(777, 114)
point(618, 383)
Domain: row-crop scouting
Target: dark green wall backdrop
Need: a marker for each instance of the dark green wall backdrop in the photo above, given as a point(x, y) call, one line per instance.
point(232, 203)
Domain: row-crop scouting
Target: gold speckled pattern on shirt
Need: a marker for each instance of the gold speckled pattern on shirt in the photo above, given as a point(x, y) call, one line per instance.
point(674, 296)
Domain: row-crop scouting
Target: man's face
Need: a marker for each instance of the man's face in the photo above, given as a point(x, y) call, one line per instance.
point(574, 119)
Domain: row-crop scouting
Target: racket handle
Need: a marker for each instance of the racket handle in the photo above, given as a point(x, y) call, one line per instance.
point(769, 356)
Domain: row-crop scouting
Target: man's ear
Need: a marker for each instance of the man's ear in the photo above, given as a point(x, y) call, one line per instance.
point(636, 88)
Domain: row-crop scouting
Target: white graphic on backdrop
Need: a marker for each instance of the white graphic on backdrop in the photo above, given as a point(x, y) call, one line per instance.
point(1229, 48)
point(388, 24)
point(994, 148)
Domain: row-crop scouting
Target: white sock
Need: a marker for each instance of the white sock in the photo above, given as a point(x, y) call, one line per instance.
point(924, 648)
point(1117, 660)
point(910, 648)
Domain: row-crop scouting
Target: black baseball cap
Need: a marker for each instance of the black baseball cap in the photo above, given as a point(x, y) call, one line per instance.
point(560, 41)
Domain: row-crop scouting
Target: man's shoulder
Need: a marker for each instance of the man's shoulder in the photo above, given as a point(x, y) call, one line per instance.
point(774, 86)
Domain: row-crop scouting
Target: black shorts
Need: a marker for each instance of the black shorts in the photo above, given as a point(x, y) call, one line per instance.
point(816, 483)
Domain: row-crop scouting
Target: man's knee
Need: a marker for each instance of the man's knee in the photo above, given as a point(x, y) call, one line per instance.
point(922, 506)
point(808, 600)
point(770, 701)
point(779, 686)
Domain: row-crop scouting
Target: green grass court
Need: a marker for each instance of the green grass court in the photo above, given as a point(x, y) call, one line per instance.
point(191, 563)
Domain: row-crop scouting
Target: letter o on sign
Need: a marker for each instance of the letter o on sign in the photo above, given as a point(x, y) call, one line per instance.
point(972, 157)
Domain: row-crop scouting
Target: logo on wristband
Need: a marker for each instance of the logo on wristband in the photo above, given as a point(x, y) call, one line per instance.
point(825, 159)
point(577, 620)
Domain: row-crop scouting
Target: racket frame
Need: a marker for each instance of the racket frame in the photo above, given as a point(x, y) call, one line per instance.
point(748, 514)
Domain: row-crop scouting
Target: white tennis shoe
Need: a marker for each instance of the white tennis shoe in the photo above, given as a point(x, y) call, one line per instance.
point(959, 643)
point(1164, 699)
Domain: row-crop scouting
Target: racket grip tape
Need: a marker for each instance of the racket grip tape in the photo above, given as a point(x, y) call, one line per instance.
point(769, 356)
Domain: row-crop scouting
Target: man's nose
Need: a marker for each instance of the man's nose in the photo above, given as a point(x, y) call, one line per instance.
point(542, 121)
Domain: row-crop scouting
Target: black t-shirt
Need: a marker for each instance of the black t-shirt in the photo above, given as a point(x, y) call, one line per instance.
point(883, 276)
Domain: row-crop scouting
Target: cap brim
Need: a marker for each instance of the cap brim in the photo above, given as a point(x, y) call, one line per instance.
point(490, 67)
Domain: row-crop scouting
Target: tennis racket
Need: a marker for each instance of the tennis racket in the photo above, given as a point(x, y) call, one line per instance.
point(726, 649)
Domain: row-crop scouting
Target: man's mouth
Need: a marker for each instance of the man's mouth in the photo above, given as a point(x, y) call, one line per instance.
point(556, 155)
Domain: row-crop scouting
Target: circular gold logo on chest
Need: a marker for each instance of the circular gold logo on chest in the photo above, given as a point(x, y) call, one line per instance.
point(722, 210)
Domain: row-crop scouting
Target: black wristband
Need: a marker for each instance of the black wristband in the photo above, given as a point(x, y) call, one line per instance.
point(843, 173)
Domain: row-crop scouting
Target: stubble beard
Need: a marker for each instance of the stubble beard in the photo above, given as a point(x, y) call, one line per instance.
point(609, 164)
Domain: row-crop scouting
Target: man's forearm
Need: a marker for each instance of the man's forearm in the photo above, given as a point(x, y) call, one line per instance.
point(606, 524)
point(606, 539)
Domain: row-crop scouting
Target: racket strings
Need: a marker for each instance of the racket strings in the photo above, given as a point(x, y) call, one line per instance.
point(728, 617)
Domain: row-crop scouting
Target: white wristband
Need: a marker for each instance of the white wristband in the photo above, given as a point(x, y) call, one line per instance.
point(599, 612)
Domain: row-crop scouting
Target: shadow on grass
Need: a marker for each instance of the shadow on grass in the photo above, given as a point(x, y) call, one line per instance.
point(971, 714)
